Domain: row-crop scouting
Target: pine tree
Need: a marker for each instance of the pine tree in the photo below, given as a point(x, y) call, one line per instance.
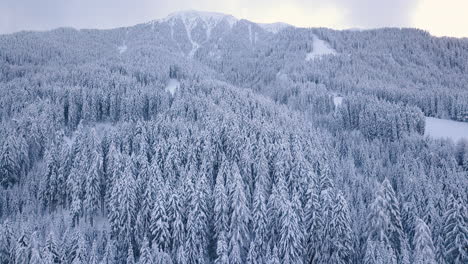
point(130, 256)
point(75, 186)
point(290, 243)
point(339, 232)
point(181, 256)
point(110, 252)
point(177, 226)
point(151, 184)
point(161, 257)
point(423, 246)
point(36, 257)
point(145, 253)
point(222, 250)
point(252, 255)
point(313, 223)
point(274, 256)
point(7, 243)
point(51, 250)
point(50, 187)
point(94, 257)
point(159, 223)
point(377, 239)
point(259, 221)
point(240, 217)
point(9, 166)
point(396, 234)
point(456, 232)
point(23, 250)
point(81, 253)
point(220, 203)
point(122, 206)
point(93, 188)
point(196, 240)
point(379, 253)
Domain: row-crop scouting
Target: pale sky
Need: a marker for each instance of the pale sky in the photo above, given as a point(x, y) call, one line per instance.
point(439, 17)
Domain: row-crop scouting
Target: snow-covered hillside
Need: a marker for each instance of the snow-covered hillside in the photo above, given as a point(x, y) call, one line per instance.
point(202, 138)
point(274, 27)
point(319, 48)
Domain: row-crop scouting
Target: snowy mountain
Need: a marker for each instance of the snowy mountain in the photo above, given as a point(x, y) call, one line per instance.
point(202, 138)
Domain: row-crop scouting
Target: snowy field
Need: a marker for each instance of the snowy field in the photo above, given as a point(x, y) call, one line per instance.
point(319, 49)
point(443, 128)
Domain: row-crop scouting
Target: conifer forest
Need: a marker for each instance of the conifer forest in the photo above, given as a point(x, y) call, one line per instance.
point(202, 138)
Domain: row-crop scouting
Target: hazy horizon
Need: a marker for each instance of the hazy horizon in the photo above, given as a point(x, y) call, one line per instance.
point(439, 19)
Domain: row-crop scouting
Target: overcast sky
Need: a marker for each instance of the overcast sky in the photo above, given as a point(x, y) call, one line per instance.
point(439, 17)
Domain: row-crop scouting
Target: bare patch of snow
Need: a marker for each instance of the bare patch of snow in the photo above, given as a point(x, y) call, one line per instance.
point(172, 86)
point(319, 48)
point(122, 48)
point(443, 128)
point(337, 100)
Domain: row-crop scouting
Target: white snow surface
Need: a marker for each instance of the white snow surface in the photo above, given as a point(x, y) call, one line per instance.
point(211, 19)
point(191, 18)
point(337, 100)
point(443, 128)
point(122, 48)
point(273, 27)
point(172, 86)
point(319, 49)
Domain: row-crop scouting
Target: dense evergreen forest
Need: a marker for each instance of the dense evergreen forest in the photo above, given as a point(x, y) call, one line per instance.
point(250, 160)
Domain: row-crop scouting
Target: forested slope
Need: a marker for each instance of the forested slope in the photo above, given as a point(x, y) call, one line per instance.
point(249, 161)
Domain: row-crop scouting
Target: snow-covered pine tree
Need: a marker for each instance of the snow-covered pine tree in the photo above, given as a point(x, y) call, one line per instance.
point(222, 256)
point(220, 201)
point(378, 243)
point(23, 249)
point(196, 241)
point(93, 188)
point(94, 255)
point(339, 232)
point(239, 219)
point(395, 232)
point(423, 246)
point(81, 252)
point(36, 253)
point(456, 232)
point(122, 207)
point(7, 243)
point(159, 227)
point(291, 239)
point(51, 250)
point(145, 253)
point(177, 226)
point(313, 223)
point(130, 256)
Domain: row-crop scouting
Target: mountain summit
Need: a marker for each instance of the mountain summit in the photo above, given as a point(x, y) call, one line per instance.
point(192, 16)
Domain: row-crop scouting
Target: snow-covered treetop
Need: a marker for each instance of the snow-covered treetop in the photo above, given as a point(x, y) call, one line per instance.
point(274, 27)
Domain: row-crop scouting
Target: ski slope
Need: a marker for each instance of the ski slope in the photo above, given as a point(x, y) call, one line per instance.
point(319, 48)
